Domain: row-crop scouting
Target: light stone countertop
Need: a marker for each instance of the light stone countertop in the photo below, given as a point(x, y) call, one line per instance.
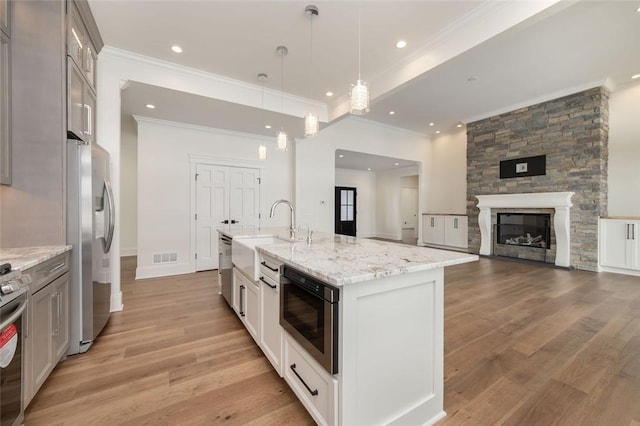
point(339, 260)
point(26, 257)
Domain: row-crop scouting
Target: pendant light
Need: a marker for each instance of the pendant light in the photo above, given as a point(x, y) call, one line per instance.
point(311, 123)
point(262, 149)
point(359, 102)
point(281, 140)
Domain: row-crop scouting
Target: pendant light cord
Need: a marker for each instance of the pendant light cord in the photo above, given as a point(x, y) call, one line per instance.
point(359, 39)
point(282, 88)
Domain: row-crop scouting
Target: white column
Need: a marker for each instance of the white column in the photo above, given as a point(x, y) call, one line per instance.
point(562, 223)
point(486, 237)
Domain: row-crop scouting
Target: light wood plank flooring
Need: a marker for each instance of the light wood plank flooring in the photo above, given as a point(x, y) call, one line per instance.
point(524, 345)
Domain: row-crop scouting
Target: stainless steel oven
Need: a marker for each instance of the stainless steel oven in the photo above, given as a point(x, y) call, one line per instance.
point(309, 313)
point(12, 311)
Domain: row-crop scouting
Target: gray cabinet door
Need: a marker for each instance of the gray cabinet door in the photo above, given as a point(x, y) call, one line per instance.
point(5, 111)
point(75, 104)
point(4, 16)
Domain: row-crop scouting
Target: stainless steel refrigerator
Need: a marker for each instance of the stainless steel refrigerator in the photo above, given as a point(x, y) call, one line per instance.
point(90, 226)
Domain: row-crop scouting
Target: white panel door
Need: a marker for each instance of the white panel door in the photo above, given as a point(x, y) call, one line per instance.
point(212, 209)
point(409, 207)
point(225, 197)
point(244, 198)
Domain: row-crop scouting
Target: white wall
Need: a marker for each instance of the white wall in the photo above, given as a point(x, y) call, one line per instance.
point(315, 164)
point(164, 184)
point(129, 179)
point(365, 183)
point(389, 214)
point(624, 151)
point(448, 174)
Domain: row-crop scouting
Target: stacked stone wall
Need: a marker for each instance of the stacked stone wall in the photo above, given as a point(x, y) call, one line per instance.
point(572, 132)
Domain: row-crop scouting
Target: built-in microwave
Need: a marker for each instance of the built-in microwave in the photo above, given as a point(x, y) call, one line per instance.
point(309, 313)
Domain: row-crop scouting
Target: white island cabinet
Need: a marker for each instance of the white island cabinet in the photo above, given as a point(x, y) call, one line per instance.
point(390, 331)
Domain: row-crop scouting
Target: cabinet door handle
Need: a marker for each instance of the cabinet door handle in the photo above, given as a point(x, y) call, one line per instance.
point(432, 222)
point(269, 267)
point(628, 230)
point(263, 280)
point(312, 392)
point(226, 221)
point(455, 223)
point(55, 268)
point(241, 301)
point(54, 301)
point(633, 231)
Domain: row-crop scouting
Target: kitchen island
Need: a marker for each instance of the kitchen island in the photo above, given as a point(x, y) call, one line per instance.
point(390, 329)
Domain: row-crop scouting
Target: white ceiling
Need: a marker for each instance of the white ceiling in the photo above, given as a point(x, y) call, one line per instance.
point(369, 162)
point(517, 52)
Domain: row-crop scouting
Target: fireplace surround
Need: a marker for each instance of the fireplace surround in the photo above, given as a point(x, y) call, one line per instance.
point(559, 201)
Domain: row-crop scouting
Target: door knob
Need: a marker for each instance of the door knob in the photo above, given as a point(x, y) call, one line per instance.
point(225, 221)
point(235, 221)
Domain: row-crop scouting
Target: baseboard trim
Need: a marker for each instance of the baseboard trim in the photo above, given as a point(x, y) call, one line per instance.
point(163, 271)
point(128, 252)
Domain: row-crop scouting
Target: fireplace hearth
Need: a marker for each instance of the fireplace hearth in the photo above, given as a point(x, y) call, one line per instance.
point(524, 229)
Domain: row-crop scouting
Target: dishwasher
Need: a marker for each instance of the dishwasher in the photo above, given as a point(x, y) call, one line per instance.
point(225, 268)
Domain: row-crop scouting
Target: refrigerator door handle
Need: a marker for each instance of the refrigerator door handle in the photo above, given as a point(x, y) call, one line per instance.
point(112, 213)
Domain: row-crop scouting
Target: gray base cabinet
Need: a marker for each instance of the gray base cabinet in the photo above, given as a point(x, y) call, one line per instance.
point(47, 337)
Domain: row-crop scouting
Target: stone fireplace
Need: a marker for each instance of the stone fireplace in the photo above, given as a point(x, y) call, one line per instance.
point(571, 133)
point(560, 202)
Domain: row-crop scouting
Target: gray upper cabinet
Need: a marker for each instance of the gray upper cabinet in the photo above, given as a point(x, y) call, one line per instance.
point(80, 47)
point(81, 73)
point(5, 95)
point(4, 16)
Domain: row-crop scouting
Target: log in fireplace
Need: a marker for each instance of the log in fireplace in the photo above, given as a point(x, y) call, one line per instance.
point(524, 229)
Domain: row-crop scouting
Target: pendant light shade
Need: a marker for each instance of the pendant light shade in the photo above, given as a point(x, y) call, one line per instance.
point(282, 139)
point(311, 122)
point(311, 125)
point(359, 102)
point(262, 152)
point(262, 149)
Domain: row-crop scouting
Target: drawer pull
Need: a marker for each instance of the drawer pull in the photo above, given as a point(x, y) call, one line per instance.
point(269, 267)
point(312, 392)
point(264, 281)
point(55, 268)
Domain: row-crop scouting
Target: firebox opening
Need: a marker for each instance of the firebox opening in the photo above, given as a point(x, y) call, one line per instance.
point(524, 229)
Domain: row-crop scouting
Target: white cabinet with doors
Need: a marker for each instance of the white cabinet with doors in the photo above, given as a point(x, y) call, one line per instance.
point(246, 303)
point(619, 246)
point(270, 331)
point(47, 337)
point(445, 230)
point(225, 197)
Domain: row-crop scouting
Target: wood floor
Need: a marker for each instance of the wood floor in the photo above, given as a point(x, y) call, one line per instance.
point(524, 345)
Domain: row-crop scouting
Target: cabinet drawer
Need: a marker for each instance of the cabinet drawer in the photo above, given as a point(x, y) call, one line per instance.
point(316, 389)
point(48, 271)
point(270, 268)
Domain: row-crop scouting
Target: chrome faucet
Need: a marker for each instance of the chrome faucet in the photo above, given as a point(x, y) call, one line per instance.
point(292, 228)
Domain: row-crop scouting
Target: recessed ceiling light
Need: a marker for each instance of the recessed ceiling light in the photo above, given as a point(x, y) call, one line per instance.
point(176, 48)
point(329, 94)
point(391, 112)
point(635, 76)
point(267, 126)
point(472, 79)
point(401, 44)
point(397, 164)
point(150, 106)
point(369, 168)
point(459, 125)
point(638, 9)
point(341, 156)
point(430, 124)
point(437, 131)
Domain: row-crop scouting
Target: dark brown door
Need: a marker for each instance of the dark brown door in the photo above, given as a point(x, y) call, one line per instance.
point(345, 211)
